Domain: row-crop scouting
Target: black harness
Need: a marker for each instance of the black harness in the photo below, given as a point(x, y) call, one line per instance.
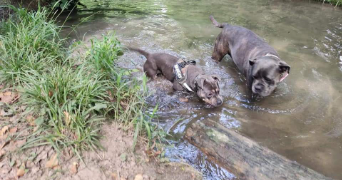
point(179, 76)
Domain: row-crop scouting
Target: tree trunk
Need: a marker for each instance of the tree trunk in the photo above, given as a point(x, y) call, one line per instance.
point(244, 157)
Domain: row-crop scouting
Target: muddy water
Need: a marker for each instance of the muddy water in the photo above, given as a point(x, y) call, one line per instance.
point(302, 120)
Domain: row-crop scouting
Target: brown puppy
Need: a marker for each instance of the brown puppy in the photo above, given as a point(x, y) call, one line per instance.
point(258, 61)
point(189, 76)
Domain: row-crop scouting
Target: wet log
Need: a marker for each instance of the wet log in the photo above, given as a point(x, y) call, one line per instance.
point(244, 157)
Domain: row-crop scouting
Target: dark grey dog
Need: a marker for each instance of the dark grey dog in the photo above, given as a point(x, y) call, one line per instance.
point(183, 74)
point(258, 61)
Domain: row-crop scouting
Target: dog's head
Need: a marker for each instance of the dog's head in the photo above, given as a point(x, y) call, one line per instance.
point(208, 89)
point(266, 72)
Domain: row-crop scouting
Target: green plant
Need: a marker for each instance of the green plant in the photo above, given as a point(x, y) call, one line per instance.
point(68, 105)
point(128, 94)
point(62, 4)
point(104, 54)
point(333, 2)
point(28, 41)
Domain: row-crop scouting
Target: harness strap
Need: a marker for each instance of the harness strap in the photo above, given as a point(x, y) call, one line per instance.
point(180, 77)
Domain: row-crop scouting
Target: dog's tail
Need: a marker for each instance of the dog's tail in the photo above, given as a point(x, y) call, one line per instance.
point(139, 51)
point(217, 24)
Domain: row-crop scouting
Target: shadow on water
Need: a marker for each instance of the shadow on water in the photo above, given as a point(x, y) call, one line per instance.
point(301, 120)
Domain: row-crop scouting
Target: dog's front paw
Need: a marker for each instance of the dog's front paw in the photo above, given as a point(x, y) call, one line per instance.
point(183, 100)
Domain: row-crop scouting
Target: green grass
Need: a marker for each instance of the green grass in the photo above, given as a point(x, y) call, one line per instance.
point(28, 41)
point(332, 2)
point(68, 106)
point(128, 94)
point(102, 56)
point(70, 102)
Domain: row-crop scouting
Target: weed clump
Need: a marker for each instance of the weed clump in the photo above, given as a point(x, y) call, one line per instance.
point(68, 106)
point(69, 98)
point(29, 41)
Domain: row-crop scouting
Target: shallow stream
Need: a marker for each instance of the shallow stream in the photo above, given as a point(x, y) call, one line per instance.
point(301, 120)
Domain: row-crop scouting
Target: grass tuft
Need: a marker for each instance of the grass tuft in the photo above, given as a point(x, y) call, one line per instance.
point(28, 41)
point(69, 98)
point(104, 54)
point(68, 104)
point(333, 2)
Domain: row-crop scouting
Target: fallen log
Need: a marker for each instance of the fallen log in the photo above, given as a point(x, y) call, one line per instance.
point(244, 157)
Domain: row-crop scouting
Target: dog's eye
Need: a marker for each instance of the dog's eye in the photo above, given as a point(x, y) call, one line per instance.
point(210, 94)
point(255, 77)
point(268, 80)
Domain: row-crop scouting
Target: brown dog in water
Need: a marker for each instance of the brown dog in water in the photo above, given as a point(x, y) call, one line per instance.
point(184, 75)
point(258, 61)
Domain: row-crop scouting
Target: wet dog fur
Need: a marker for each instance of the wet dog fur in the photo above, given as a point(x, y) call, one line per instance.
point(205, 86)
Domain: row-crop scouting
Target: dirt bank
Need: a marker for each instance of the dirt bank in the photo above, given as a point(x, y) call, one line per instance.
point(116, 161)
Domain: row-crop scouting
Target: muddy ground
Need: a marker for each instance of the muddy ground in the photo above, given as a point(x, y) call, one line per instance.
point(116, 161)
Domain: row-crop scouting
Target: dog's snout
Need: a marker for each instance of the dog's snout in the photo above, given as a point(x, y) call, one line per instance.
point(219, 101)
point(259, 87)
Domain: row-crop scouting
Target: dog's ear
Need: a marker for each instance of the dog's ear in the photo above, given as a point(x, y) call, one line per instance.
point(283, 67)
point(200, 82)
point(252, 61)
point(216, 78)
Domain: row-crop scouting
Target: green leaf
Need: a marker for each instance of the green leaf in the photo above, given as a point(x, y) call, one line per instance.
point(137, 70)
point(123, 157)
point(12, 162)
point(42, 112)
point(127, 73)
point(164, 160)
point(99, 106)
point(120, 53)
point(39, 121)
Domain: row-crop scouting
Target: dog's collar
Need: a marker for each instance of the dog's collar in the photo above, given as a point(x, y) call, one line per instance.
point(195, 80)
point(272, 55)
point(283, 75)
point(180, 77)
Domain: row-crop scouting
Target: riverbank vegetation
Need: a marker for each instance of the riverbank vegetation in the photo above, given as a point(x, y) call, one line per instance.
point(336, 3)
point(64, 99)
point(71, 3)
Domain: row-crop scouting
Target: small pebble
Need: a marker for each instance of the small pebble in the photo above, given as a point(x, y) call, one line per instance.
point(138, 177)
point(184, 99)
